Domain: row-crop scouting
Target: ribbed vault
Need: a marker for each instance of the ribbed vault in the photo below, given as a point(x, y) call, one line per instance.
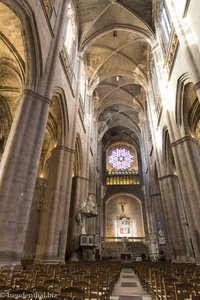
point(116, 39)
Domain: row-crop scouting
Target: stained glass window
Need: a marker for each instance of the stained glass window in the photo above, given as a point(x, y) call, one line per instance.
point(165, 25)
point(121, 159)
point(122, 165)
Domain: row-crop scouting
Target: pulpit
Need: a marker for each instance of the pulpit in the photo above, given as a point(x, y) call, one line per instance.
point(88, 242)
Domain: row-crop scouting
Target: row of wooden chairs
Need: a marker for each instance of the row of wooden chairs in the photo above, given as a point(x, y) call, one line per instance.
point(169, 281)
point(80, 280)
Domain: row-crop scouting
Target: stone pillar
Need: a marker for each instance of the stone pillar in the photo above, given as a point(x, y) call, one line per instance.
point(157, 207)
point(100, 219)
point(79, 193)
point(153, 246)
point(159, 218)
point(146, 146)
point(55, 218)
point(32, 234)
point(173, 214)
point(187, 158)
point(19, 168)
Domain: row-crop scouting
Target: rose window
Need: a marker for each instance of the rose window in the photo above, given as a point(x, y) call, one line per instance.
point(121, 159)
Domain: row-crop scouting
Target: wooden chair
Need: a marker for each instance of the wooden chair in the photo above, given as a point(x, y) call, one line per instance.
point(183, 290)
point(64, 297)
point(96, 290)
point(52, 285)
point(40, 277)
point(84, 285)
point(192, 297)
point(73, 292)
point(168, 292)
point(39, 289)
point(22, 283)
point(2, 279)
point(66, 280)
point(5, 288)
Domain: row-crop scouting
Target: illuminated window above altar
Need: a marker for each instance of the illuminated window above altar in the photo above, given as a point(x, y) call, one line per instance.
point(121, 159)
point(121, 165)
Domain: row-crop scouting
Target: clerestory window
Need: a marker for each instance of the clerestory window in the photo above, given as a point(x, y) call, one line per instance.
point(71, 32)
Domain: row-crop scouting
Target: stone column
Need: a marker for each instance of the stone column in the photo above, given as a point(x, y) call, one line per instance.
point(173, 216)
point(19, 167)
point(32, 233)
point(153, 246)
point(159, 218)
point(157, 208)
point(187, 158)
point(100, 219)
point(146, 146)
point(55, 218)
point(79, 193)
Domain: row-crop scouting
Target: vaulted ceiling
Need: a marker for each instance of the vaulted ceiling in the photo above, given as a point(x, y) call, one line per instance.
point(116, 38)
point(12, 57)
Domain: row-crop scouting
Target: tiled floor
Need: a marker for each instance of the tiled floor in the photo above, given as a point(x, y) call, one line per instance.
point(129, 287)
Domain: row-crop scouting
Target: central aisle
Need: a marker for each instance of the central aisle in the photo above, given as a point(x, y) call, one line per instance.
point(129, 287)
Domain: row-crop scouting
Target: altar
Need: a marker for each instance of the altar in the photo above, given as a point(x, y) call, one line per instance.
point(125, 256)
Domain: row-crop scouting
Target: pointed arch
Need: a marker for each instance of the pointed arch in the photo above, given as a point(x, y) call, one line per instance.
point(33, 63)
point(60, 94)
point(134, 209)
point(78, 166)
point(5, 123)
point(149, 38)
point(168, 157)
point(187, 106)
point(179, 109)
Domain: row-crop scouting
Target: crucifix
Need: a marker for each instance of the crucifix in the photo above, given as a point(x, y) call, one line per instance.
point(122, 203)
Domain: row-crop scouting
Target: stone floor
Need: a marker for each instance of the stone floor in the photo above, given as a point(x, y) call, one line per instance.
point(129, 287)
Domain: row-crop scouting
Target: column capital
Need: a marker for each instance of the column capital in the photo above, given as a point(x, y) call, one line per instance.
point(182, 140)
point(66, 149)
point(81, 178)
point(156, 194)
point(167, 176)
point(28, 92)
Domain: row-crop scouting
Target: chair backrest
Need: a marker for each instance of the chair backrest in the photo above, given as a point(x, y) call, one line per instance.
point(64, 297)
point(52, 285)
point(183, 290)
point(22, 283)
point(5, 288)
point(73, 291)
point(197, 297)
point(40, 289)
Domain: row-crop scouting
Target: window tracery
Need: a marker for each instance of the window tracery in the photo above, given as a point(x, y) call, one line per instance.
point(163, 24)
point(122, 165)
point(121, 159)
